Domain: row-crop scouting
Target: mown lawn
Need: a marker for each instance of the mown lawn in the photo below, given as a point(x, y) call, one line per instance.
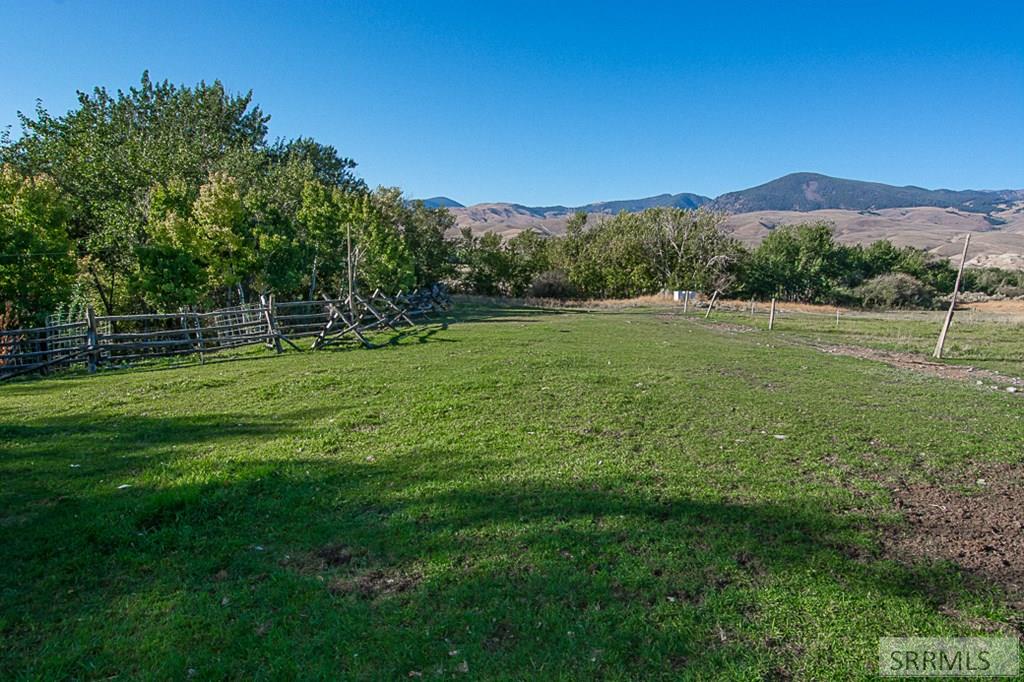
point(526, 494)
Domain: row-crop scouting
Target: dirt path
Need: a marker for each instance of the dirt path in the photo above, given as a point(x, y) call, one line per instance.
point(916, 363)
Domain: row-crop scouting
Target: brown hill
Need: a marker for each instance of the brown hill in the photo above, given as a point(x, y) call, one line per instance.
point(862, 212)
point(997, 238)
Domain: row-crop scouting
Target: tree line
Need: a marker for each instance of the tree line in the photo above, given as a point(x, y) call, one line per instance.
point(636, 254)
point(167, 196)
point(163, 197)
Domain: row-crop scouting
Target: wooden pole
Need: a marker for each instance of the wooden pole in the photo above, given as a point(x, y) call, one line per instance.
point(771, 316)
point(837, 318)
point(273, 336)
point(952, 301)
point(711, 305)
point(92, 339)
point(686, 300)
point(44, 345)
point(751, 307)
point(348, 258)
point(199, 337)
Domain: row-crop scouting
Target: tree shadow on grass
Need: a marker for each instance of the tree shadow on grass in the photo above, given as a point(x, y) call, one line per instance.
point(476, 313)
point(47, 458)
point(325, 567)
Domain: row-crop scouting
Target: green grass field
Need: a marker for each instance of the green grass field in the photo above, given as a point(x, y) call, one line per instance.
point(983, 340)
point(525, 494)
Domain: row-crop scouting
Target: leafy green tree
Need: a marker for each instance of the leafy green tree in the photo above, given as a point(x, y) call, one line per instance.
point(567, 256)
point(689, 249)
point(169, 278)
point(937, 273)
point(112, 155)
point(485, 266)
point(170, 271)
point(383, 259)
point(222, 235)
point(425, 233)
point(106, 155)
point(796, 262)
point(325, 219)
point(528, 255)
point(36, 260)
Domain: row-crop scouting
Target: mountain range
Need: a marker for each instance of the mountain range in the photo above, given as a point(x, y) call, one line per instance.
point(931, 219)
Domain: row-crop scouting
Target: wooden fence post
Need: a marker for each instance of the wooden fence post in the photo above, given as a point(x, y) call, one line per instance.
point(686, 300)
point(771, 316)
point(952, 301)
point(751, 307)
point(837, 318)
point(199, 337)
point(714, 297)
point(44, 346)
point(92, 339)
point(273, 337)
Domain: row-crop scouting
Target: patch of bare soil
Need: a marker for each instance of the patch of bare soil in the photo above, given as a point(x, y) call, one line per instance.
point(729, 327)
point(918, 364)
point(1004, 307)
point(376, 583)
point(351, 570)
point(323, 559)
point(981, 531)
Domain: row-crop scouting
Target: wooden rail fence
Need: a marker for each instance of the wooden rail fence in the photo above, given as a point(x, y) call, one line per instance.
point(98, 341)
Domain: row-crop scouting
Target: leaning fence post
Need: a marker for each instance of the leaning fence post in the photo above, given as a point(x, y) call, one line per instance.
point(273, 338)
point(92, 339)
point(711, 305)
point(952, 302)
point(771, 316)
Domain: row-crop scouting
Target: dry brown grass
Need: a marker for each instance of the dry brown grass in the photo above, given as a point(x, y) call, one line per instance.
point(1007, 311)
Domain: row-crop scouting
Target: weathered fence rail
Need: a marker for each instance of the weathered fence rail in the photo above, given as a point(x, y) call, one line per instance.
point(99, 341)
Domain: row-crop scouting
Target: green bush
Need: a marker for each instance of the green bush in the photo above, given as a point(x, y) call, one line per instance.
point(895, 290)
point(1010, 291)
point(553, 284)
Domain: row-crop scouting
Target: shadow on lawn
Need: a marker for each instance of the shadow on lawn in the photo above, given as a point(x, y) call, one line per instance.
point(49, 457)
point(29, 384)
point(480, 313)
point(425, 550)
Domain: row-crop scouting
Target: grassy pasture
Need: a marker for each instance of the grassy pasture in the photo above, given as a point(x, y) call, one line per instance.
point(526, 494)
point(977, 338)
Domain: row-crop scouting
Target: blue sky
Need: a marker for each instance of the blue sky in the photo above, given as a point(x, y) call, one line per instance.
point(555, 102)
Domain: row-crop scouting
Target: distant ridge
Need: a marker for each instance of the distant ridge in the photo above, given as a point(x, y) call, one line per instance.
point(441, 202)
point(684, 200)
point(814, 192)
point(793, 192)
point(861, 211)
